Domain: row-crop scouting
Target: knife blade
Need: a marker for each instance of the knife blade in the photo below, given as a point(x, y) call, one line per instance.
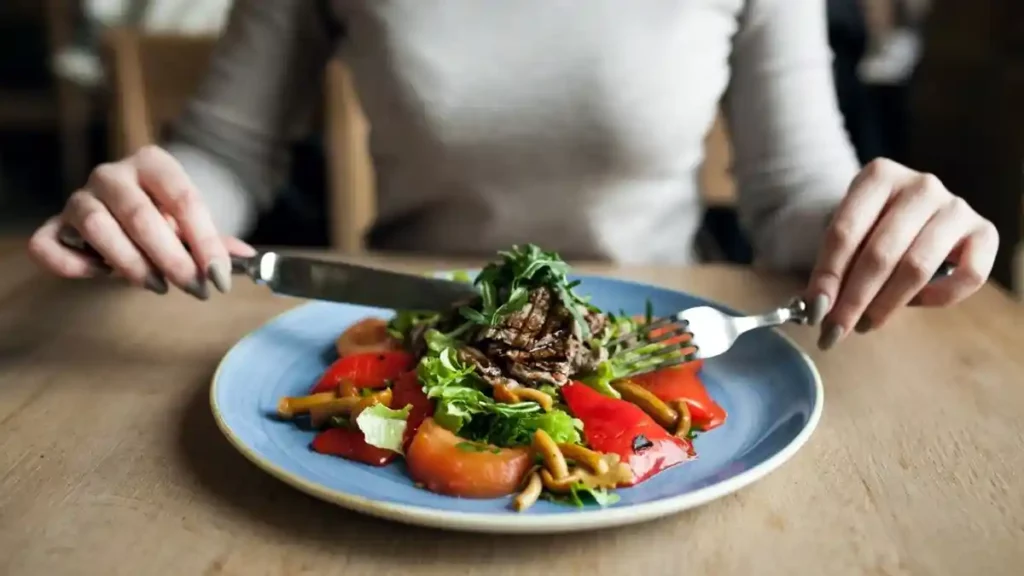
point(317, 279)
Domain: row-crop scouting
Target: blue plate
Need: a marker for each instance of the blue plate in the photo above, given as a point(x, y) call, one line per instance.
point(770, 389)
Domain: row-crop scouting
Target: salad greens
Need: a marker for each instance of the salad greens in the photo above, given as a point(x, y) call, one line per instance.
point(505, 285)
point(463, 399)
point(383, 427)
point(467, 355)
point(463, 407)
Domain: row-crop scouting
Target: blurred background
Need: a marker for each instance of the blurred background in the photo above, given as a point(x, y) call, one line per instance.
point(936, 84)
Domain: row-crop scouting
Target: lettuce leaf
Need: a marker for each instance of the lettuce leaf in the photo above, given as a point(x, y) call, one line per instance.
point(518, 430)
point(464, 407)
point(458, 390)
point(383, 427)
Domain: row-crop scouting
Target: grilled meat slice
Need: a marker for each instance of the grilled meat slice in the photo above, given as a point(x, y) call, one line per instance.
point(539, 344)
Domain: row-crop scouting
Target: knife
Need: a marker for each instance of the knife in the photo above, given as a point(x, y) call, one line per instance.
point(318, 279)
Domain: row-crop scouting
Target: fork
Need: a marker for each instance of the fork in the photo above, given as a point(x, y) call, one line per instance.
point(711, 332)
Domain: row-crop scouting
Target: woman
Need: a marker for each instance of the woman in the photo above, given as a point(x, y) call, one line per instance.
point(577, 128)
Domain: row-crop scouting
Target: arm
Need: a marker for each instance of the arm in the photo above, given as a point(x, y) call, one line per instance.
point(792, 158)
point(263, 79)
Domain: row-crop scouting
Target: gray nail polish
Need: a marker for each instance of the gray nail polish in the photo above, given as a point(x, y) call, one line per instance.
point(817, 308)
point(156, 283)
point(100, 269)
point(863, 325)
point(830, 335)
point(198, 289)
point(219, 273)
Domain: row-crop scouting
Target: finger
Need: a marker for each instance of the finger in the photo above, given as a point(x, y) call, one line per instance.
point(234, 246)
point(46, 250)
point(172, 223)
point(912, 208)
point(975, 257)
point(162, 176)
point(97, 225)
point(865, 201)
point(116, 185)
point(237, 247)
point(926, 254)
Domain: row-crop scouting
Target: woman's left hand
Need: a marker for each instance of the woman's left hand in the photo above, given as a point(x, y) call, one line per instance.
point(889, 236)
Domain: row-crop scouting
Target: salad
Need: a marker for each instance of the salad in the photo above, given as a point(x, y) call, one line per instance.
point(527, 389)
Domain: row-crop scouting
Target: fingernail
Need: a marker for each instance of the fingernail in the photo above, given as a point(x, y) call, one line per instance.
point(155, 283)
point(198, 289)
point(829, 336)
point(100, 269)
point(219, 273)
point(817, 308)
point(863, 325)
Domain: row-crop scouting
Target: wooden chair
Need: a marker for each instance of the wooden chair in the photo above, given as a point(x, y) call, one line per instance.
point(145, 102)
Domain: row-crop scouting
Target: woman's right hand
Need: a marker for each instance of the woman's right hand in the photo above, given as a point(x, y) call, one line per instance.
point(136, 213)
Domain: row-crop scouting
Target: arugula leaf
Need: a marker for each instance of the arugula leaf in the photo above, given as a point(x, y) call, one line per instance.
point(643, 358)
point(383, 427)
point(600, 496)
point(580, 495)
point(601, 379)
point(438, 342)
point(402, 323)
point(519, 271)
point(477, 317)
point(617, 326)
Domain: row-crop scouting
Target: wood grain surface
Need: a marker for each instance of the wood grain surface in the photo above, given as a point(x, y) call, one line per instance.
point(110, 462)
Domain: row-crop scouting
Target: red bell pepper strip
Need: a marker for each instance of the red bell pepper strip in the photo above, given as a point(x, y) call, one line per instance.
point(683, 383)
point(369, 370)
point(614, 426)
point(657, 332)
point(407, 391)
point(349, 443)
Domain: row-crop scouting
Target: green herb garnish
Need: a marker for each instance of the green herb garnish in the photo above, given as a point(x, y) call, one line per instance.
point(403, 323)
point(505, 286)
point(580, 495)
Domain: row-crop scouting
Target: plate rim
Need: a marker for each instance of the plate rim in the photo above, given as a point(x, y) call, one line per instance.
point(491, 523)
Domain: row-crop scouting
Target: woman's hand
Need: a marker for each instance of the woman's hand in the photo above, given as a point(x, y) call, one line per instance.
point(132, 212)
point(891, 233)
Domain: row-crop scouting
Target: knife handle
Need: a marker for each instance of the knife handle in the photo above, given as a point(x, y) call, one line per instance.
point(72, 240)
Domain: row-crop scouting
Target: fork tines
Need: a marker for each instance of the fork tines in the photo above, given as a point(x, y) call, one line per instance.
point(673, 328)
point(653, 357)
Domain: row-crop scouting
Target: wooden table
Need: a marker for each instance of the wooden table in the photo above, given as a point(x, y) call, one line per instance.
point(110, 462)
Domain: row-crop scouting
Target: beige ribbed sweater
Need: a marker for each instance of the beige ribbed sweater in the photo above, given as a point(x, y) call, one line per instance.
point(574, 125)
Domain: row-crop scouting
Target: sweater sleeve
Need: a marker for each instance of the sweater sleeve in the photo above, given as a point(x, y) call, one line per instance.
point(793, 159)
point(264, 77)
